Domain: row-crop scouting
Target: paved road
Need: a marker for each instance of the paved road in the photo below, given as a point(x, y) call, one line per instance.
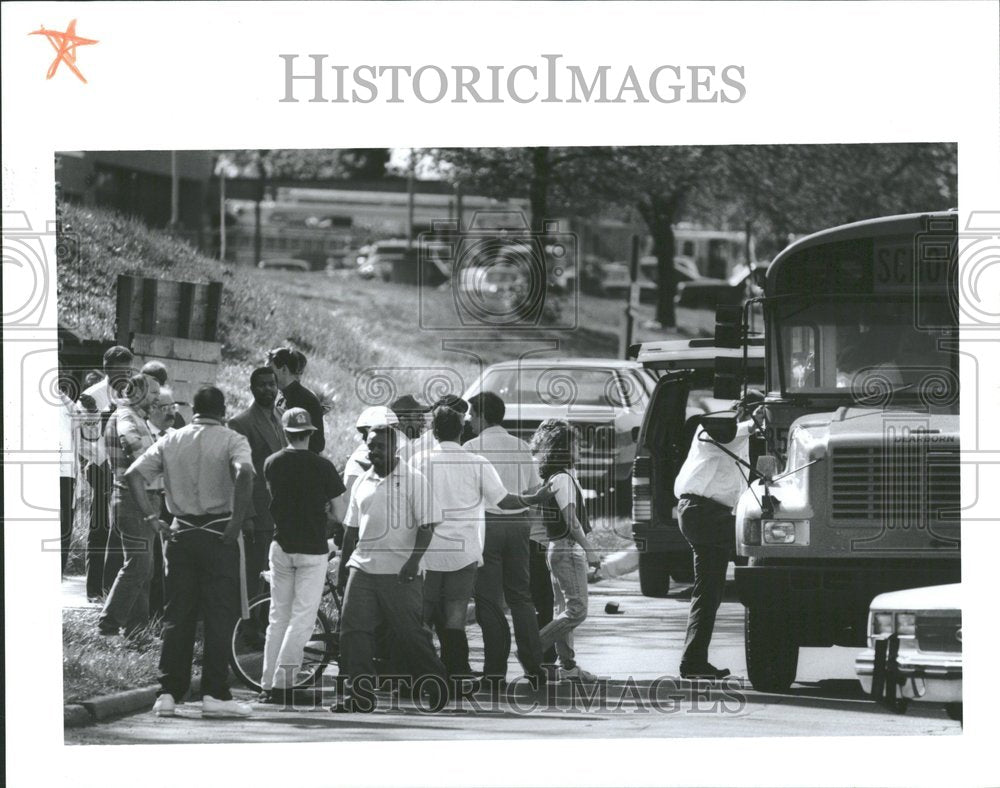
point(643, 643)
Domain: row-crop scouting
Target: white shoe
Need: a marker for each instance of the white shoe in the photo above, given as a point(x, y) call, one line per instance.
point(213, 707)
point(577, 674)
point(164, 705)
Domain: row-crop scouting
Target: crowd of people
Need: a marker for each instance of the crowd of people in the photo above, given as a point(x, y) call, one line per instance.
point(438, 508)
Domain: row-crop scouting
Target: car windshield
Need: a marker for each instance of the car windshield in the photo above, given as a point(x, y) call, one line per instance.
point(558, 385)
point(868, 350)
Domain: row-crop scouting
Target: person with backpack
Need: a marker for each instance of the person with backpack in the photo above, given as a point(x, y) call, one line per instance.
point(554, 446)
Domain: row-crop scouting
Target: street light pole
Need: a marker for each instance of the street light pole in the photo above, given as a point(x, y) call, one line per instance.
point(410, 202)
point(222, 213)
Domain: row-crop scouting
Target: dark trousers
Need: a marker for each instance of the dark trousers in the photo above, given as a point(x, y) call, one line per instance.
point(506, 575)
point(201, 573)
point(371, 600)
point(708, 527)
point(542, 596)
point(67, 486)
point(99, 479)
point(157, 586)
point(114, 555)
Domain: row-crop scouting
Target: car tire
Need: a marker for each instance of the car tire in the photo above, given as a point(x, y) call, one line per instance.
point(654, 574)
point(954, 711)
point(772, 652)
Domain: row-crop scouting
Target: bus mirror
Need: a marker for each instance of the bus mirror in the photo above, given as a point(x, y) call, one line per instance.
point(721, 427)
point(728, 383)
point(729, 326)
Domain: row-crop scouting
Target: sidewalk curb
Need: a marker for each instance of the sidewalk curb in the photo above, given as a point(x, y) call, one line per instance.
point(118, 704)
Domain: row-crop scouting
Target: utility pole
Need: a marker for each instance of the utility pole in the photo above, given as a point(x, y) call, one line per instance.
point(410, 197)
point(633, 298)
point(175, 192)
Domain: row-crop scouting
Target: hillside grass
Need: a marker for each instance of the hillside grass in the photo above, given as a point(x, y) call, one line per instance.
point(362, 338)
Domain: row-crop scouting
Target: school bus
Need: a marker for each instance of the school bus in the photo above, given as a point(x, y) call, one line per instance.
point(858, 446)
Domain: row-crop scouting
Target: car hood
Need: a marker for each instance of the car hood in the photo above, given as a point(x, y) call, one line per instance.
point(946, 597)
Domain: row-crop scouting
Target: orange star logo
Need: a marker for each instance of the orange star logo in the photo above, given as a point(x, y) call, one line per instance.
point(65, 44)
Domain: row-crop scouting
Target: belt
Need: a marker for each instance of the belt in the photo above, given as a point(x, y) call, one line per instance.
point(702, 499)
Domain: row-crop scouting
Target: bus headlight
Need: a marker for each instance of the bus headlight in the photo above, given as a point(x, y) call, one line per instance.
point(786, 532)
point(906, 624)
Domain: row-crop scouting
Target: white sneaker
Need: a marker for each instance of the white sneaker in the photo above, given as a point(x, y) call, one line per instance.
point(213, 707)
point(577, 674)
point(164, 705)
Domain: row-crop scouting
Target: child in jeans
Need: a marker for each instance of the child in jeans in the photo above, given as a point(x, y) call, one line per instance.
point(554, 446)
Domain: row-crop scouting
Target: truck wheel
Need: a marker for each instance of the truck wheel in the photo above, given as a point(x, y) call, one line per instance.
point(654, 576)
point(771, 650)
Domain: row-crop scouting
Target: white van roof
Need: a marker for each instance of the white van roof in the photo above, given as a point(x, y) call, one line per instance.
point(693, 353)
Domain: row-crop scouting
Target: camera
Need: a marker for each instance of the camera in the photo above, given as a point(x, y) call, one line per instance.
point(498, 273)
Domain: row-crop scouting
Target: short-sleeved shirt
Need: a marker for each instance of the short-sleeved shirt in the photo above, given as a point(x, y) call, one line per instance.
point(387, 513)
point(301, 483)
point(295, 395)
point(126, 437)
point(196, 462)
point(423, 442)
point(464, 484)
point(711, 473)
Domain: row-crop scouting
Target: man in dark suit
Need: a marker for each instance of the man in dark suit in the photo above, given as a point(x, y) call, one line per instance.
point(260, 425)
point(288, 365)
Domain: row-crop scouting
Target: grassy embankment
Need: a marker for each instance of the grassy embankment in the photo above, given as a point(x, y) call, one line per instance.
point(347, 327)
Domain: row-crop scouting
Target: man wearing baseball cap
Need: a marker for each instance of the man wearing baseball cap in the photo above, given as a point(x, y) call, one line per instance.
point(301, 483)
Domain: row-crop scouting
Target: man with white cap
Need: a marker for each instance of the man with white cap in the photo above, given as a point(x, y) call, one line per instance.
point(301, 484)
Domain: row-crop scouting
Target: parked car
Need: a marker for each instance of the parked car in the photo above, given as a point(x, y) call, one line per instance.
point(683, 394)
point(710, 293)
point(284, 264)
point(379, 258)
point(616, 282)
point(915, 648)
point(604, 398)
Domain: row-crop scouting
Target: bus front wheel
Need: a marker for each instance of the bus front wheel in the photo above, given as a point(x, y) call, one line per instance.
point(771, 649)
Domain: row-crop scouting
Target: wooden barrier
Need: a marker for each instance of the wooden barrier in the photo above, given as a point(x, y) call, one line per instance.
point(175, 323)
point(175, 309)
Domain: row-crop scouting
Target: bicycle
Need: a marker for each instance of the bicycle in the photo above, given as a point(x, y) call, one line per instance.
point(246, 654)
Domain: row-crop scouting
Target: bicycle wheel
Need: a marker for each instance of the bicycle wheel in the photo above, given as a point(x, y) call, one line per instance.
point(247, 646)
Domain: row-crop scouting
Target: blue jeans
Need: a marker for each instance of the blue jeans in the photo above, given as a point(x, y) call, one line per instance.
point(568, 564)
point(127, 604)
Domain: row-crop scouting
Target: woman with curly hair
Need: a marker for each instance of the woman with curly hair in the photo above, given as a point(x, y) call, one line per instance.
point(554, 446)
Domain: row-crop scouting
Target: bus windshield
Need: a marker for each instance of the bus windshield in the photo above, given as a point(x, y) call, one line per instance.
point(865, 348)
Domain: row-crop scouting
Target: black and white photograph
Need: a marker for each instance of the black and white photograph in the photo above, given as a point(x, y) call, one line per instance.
point(662, 439)
point(500, 393)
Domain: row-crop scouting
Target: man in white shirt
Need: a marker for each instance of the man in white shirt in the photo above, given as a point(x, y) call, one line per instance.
point(91, 415)
point(389, 524)
point(464, 484)
point(505, 573)
point(707, 488)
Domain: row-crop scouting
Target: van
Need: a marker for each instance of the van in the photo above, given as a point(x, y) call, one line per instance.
point(682, 394)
